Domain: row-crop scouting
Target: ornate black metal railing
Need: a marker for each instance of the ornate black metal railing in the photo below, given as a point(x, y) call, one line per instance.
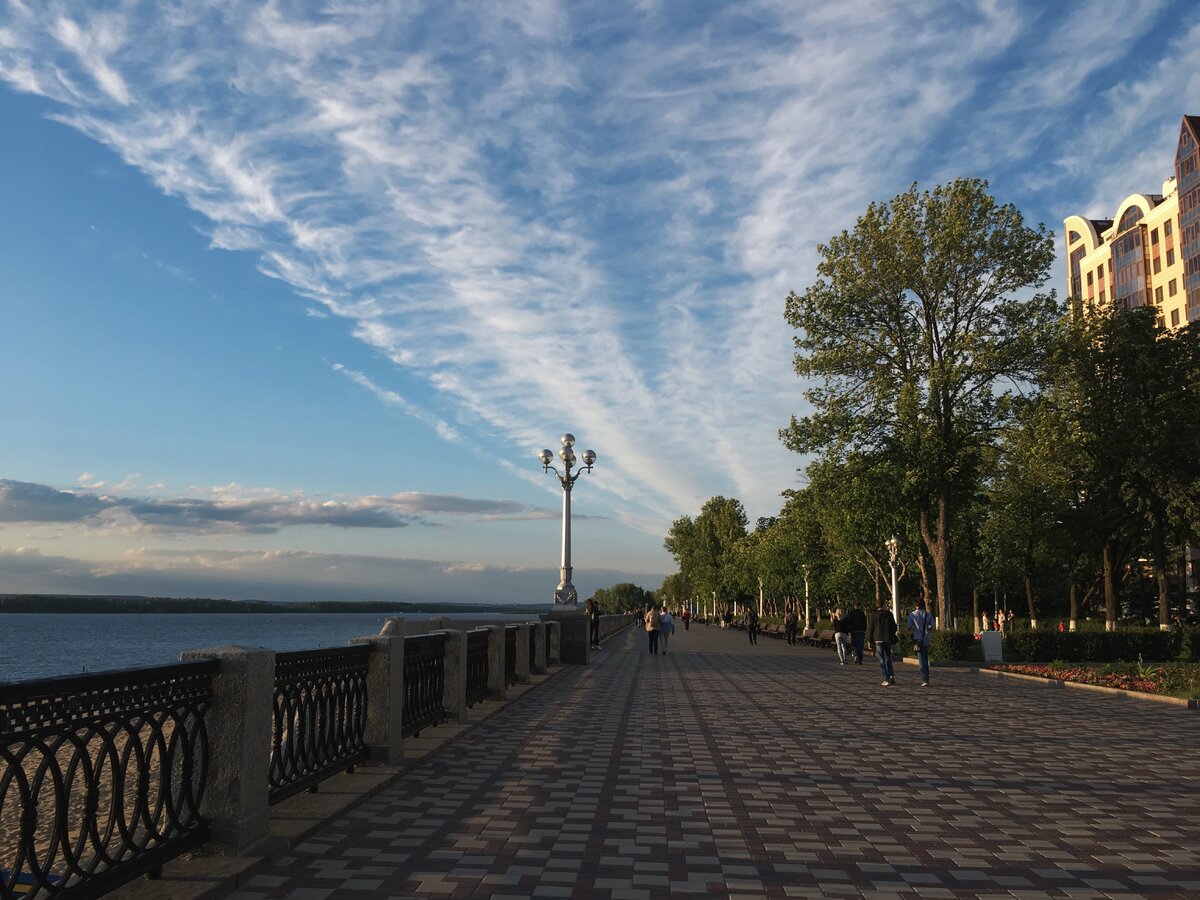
point(510, 654)
point(424, 682)
point(477, 666)
point(101, 777)
point(319, 718)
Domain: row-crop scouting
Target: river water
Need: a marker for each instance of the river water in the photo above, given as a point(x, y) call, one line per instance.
point(44, 645)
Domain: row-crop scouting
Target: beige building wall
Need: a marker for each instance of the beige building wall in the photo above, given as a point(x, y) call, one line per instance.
point(1137, 257)
point(1090, 243)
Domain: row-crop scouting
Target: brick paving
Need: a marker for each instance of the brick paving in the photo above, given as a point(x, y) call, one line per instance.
point(723, 769)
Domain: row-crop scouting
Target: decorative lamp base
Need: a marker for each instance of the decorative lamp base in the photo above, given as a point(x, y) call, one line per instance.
point(565, 595)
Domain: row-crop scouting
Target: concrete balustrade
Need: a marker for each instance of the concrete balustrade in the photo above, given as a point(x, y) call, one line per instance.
point(537, 634)
point(497, 689)
point(239, 733)
point(523, 653)
point(239, 721)
point(454, 677)
point(385, 696)
point(553, 642)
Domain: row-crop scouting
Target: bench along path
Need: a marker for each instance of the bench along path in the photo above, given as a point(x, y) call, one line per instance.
point(727, 769)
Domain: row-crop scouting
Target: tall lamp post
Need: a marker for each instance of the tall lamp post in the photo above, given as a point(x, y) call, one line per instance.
point(893, 549)
point(565, 594)
point(806, 618)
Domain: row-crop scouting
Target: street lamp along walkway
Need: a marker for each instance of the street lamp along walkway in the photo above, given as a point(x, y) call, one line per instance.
point(565, 594)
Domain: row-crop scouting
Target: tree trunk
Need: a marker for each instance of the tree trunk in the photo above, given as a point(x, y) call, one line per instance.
point(1159, 549)
point(1110, 586)
point(924, 572)
point(975, 609)
point(1029, 598)
point(1074, 614)
point(940, 550)
point(875, 578)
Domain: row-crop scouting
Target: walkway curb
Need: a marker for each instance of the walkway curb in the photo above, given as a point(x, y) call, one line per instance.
point(1100, 689)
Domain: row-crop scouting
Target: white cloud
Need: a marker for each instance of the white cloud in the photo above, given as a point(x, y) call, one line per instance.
point(233, 509)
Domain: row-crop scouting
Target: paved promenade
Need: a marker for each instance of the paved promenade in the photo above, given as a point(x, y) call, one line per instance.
point(729, 770)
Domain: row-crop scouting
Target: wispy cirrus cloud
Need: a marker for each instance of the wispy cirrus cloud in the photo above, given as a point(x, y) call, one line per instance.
point(231, 509)
point(558, 206)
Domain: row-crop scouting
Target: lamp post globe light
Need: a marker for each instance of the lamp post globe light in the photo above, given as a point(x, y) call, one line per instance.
point(565, 594)
point(893, 549)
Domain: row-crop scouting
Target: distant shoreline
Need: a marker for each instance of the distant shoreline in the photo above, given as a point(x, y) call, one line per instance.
point(65, 603)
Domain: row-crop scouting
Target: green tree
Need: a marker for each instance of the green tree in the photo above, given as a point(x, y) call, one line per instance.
point(706, 548)
point(917, 332)
point(1123, 384)
point(622, 597)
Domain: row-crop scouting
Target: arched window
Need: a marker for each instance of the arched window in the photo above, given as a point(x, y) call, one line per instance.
point(1073, 236)
point(1132, 216)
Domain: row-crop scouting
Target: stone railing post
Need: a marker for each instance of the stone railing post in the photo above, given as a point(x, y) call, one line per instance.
point(454, 682)
point(394, 626)
point(553, 644)
point(537, 634)
point(385, 696)
point(496, 686)
point(239, 740)
point(523, 636)
point(574, 645)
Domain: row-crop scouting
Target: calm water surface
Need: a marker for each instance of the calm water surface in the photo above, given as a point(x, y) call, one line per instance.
point(44, 645)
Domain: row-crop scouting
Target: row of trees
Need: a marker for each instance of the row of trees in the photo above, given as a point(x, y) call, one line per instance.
point(954, 404)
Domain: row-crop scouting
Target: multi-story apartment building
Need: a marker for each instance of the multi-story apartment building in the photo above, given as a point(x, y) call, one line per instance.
point(1148, 254)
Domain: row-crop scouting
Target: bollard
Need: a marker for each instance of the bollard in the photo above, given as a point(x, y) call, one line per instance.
point(523, 637)
point(496, 687)
point(537, 634)
point(385, 696)
point(235, 803)
point(454, 681)
point(553, 644)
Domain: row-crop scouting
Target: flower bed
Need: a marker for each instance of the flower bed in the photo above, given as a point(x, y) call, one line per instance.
point(1177, 679)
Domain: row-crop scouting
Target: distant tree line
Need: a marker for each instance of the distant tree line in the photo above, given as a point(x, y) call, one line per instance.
point(1012, 448)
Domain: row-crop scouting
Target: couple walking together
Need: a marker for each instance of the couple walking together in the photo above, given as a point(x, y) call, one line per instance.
point(883, 635)
point(659, 628)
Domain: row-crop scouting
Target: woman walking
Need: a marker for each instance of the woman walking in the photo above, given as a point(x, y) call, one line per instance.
point(666, 629)
point(841, 636)
point(653, 627)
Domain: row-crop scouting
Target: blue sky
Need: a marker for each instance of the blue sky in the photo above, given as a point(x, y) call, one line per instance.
point(291, 294)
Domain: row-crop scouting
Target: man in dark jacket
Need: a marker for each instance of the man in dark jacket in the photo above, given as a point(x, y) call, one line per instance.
point(856, 621)
point(883, 636)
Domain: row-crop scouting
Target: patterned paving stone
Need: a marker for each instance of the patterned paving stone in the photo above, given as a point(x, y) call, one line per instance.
point(723, 769)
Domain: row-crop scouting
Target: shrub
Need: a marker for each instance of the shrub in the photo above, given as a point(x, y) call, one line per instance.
point(1091, 645)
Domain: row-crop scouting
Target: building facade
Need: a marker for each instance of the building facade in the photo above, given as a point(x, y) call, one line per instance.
point(1148, 254)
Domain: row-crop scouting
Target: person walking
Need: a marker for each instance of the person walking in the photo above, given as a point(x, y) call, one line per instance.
point(687, 618)
point(789, 626)
point(666, 629)
point(856, 621)
point(653, 628)
point(752, 624)
point(841, 636)
point(883, 635)
point(592, 608)
point(921, 623)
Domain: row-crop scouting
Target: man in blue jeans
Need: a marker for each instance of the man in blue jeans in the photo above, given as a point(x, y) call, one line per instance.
point(883, 635)
point(920, 623)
